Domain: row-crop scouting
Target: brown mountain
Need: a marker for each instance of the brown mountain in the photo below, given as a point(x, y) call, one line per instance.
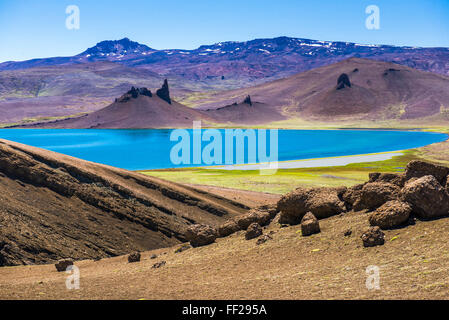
point(54, 206)
point(138, 108)
point(354, 88)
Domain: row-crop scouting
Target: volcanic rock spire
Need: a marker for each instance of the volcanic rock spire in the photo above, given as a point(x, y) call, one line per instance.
point(164, 93)
point(343, 81)
point(248, 100)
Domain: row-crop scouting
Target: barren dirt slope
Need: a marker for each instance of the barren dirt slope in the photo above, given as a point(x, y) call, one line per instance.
point(54, 206)
point(413, 265)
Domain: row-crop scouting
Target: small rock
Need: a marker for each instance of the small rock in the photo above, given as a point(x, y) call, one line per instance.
point(253, 231)
point(153, 256)
point(309, 224)
point(134, 257)
point(373, 237)
point(347, 233)
point(63, 264)
point(182, 248)
point(263, 239)
point(158, 265)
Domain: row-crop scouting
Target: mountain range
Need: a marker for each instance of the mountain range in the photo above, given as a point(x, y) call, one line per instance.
point(210, 76)
point(255, 59)
point(354, 89)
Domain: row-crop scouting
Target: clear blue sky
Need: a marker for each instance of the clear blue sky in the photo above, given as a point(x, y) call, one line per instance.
point(33, 29)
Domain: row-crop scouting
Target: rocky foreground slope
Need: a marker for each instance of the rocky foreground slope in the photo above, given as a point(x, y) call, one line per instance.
point(388, 201)
point(54, 206)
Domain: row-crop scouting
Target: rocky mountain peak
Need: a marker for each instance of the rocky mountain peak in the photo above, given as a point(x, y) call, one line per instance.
point(134, 93)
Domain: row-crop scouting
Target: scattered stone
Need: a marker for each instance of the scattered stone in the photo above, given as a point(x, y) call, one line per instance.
point(157, 265)
point(263, 239)
point(201, 235)
point(253, 231)
point(375, 194)
point(228, 228)
point(153, 256)
point(309, 224)
point(134, 257)
point(347, 233)
point(322, 202)
point(373, 237)
point(182, 248)
point(343, 81)
point(391, 214)
point(63, 264)
point(427, 197)
point(418, 169)
point(164, 92)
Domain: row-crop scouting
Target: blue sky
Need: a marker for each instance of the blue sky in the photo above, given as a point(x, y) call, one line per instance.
point(34, 29)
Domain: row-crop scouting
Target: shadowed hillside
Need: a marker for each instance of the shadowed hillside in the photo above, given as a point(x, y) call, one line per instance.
point(54, 206)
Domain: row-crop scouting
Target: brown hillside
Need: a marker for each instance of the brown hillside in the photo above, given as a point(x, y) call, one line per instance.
point(378, 89)
point(54, 206)
point(141, 112)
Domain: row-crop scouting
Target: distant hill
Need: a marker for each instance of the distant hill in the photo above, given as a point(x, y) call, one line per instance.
point(375, 90)
point(353, 89)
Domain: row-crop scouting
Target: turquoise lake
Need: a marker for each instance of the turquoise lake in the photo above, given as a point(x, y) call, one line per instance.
point(150, 149)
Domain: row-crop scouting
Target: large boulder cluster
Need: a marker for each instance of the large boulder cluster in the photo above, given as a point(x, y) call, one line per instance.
point(390, 199)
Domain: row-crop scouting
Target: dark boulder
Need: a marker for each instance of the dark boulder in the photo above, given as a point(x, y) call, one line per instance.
point(322, 202)
point(391, 214)
point(253, 216)
point(427, 197)
point(418, 169)
point(253, 231)
point(134, 257)
point(63, 264)
point(374, 194)
point(373, 237)
point(248, 100)
point(394, 178)
point(228, 228)
point(309, 224)
point(201, 235)
point(164, 92)
point(351, 195)
point(343, 81)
